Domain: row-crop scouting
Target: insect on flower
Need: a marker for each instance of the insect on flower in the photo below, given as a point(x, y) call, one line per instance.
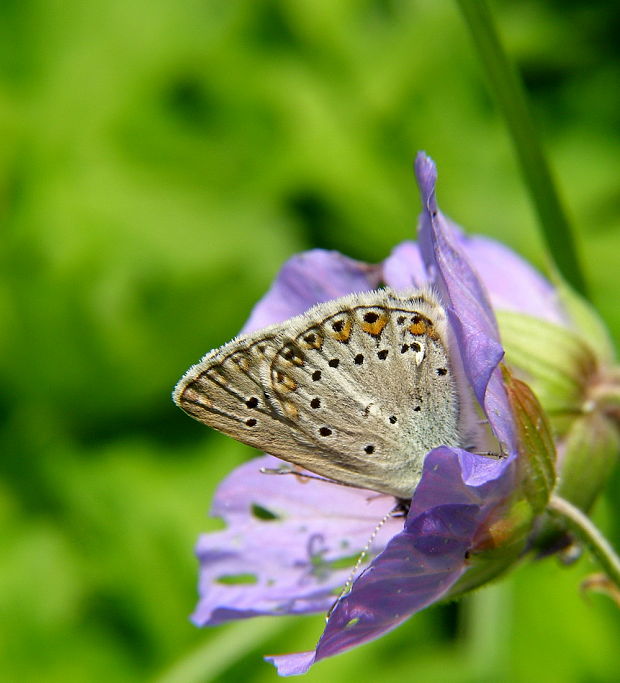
point(383, 390)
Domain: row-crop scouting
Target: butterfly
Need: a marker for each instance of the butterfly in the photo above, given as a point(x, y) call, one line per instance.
point(356, 390)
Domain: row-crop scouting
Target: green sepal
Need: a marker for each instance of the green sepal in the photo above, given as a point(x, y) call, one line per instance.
point(536, 449)
point(499, 547)
point(605, 394)
point(586, 321)
point(555, 361)
point(505, 534)
point(588, 453)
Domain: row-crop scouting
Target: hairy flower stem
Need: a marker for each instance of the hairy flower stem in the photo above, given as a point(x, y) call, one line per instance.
point(583, 528)
point(509, 94)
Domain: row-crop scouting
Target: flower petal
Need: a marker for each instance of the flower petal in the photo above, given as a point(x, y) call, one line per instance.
point(294, 664)
point(468, 306)
point(512, 283)
point(307, 279)
point(420, 564)
point(284, 535)
point(403, 268)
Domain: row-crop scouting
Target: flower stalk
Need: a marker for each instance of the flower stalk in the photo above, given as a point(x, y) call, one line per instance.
point(584, 529)
point(508, 91)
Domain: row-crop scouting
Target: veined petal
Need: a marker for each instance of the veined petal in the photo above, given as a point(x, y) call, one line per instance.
point(512, 283)
point(468, 307)
point(285, 542)
point(403, 268)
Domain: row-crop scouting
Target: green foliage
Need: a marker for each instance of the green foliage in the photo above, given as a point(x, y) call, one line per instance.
point(159, 162)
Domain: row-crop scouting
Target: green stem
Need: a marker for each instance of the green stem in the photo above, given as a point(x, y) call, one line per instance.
point(583, 528)
point(209, 661)
point(486, 629)
point(508, 91)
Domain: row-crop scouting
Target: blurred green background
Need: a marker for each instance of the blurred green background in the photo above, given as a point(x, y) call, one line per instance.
point(159, 161)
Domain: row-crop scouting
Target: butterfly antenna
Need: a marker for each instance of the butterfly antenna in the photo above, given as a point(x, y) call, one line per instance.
point(362, 556)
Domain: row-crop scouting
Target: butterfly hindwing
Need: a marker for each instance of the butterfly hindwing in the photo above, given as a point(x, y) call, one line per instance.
point(357, 390)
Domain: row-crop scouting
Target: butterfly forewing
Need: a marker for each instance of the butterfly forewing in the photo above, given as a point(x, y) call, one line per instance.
point(224, 391)
point(358, 389)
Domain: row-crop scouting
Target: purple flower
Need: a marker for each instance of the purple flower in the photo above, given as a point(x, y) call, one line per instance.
point(286, 538)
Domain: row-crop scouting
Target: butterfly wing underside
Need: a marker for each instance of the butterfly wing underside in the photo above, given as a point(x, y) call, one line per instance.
point(357, 390)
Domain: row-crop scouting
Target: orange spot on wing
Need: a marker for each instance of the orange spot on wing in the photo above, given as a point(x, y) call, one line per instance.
point(375, 328)
point(343, 332)
point(311, 339)
point(292, 354)
point(421, 325)
point(282, 382)
point(290, 410)
point(418, 328)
